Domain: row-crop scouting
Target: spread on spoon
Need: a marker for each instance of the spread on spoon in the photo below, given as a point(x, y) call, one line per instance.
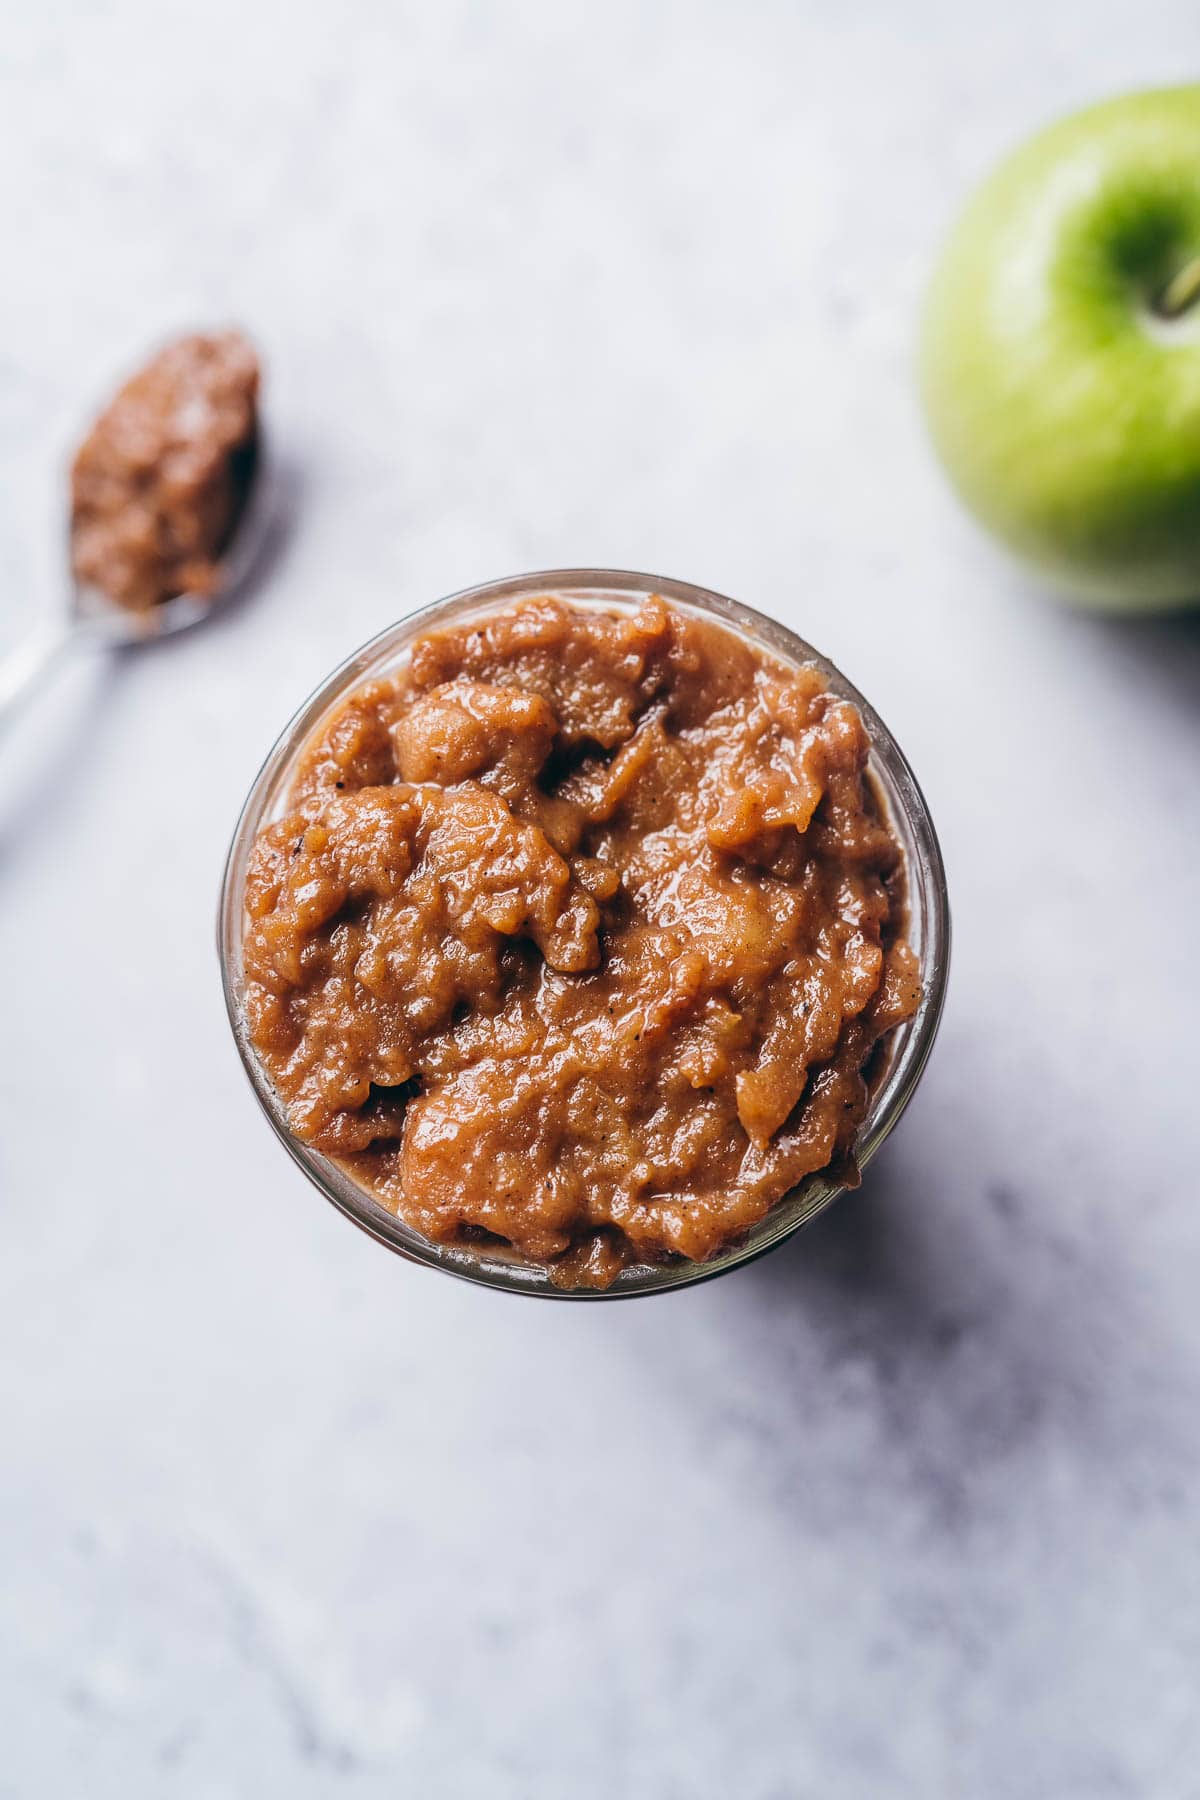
point(580, 933)
point(158, 485)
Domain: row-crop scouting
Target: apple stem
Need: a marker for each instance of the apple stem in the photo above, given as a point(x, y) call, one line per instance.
point(1182, 291)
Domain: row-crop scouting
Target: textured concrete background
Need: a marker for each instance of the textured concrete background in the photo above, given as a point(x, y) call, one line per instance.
point(910, 1509)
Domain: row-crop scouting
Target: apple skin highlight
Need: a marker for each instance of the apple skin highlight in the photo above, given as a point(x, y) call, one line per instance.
point(1060, 353)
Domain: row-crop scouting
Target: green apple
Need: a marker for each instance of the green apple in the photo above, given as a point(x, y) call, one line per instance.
point(1060, 353)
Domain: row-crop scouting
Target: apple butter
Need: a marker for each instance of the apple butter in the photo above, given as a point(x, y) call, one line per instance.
point(580, 934)
point(159, 483)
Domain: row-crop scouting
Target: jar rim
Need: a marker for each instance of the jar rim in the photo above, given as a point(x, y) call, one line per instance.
point(907, 1046)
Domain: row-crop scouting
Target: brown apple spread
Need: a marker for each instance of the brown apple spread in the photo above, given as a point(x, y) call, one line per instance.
point(580, 934)
point(159, 483)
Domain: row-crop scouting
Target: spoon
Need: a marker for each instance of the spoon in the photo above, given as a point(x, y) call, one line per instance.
point(92, 617)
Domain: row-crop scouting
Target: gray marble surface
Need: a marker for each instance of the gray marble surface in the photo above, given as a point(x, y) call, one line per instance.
point(908, 1509)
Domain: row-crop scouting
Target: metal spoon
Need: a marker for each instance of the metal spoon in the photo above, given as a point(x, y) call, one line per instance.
point(92, 617)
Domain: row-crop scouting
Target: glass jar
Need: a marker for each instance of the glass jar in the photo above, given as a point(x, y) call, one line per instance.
point(905, 1052)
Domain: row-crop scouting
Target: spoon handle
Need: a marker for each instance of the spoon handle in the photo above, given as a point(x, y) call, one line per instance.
point(23, 667)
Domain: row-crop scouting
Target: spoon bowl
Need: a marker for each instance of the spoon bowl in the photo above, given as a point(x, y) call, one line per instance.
point(93, 616)
point(97, 612)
